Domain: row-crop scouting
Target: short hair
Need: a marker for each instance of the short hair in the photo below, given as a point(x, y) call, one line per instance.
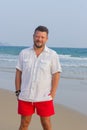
point(42, 29)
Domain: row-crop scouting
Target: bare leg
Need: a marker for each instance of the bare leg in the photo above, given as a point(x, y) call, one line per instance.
point(46, 123)
point(25, 121)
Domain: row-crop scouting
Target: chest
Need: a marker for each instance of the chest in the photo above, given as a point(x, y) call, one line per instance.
point(31, 61)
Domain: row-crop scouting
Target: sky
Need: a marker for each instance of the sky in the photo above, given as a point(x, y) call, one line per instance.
point(65, 19)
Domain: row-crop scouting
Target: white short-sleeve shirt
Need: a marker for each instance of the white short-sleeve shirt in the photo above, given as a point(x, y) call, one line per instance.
point(37, 73)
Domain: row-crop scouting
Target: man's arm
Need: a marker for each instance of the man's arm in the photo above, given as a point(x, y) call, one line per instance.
point(18, 80)
point(55, 81)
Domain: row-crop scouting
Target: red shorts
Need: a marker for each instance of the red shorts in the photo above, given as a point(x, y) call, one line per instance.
point(44, 108)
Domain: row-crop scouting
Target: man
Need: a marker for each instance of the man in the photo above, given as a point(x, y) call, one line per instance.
point(37, 76)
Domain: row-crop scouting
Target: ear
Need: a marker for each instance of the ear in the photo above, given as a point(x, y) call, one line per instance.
point(47, 37)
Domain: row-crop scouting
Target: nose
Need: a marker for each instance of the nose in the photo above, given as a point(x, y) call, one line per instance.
point(39, 38)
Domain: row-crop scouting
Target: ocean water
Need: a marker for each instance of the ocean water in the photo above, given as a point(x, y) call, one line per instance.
point(73, 60)
point(72, 91)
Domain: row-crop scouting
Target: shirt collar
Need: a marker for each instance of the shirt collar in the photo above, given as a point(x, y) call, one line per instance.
point(45, 49)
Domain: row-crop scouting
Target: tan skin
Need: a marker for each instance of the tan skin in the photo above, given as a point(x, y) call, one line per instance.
point(40, 39)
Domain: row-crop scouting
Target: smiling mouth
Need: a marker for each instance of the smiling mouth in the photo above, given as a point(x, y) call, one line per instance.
point(38, 45)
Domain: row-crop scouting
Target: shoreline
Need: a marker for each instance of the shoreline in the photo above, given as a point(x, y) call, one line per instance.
point(71, 93)
point(64, 119)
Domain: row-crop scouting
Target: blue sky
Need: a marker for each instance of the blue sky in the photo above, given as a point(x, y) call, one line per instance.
point(65, 19)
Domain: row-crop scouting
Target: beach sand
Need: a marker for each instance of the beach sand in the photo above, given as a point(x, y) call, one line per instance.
point(64, 119)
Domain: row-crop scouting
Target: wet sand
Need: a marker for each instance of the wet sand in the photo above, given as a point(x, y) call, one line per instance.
point(64, 119)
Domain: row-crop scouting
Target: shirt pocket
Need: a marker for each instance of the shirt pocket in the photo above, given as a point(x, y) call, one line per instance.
point(27, 64)
point(44, 65)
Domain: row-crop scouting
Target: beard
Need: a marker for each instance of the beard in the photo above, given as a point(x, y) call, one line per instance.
point(38, 46)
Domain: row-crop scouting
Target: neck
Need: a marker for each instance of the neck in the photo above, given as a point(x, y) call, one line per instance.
point(38, 51)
